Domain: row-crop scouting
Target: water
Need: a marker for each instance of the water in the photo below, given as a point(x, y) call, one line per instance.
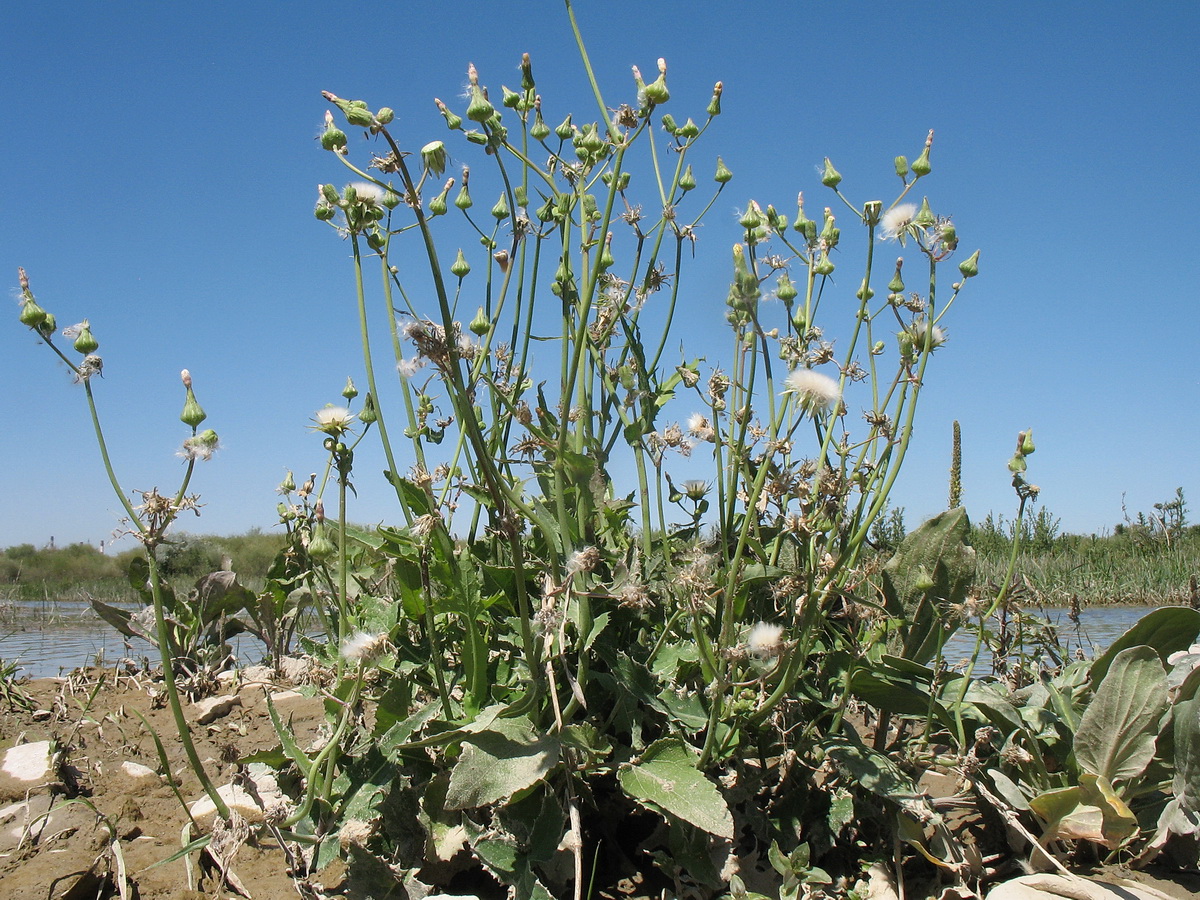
point(51, 637)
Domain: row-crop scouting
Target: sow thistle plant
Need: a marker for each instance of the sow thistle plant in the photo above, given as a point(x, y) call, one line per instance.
point(543, 646)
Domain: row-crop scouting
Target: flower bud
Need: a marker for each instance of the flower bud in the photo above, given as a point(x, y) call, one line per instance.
point(872, 210)
point(896, 285)
point(566, 129)
point(369, 412)
point(437, 205)
point(500, 210)
point(831, 178)
point(288, 484)
point(324, 212)
point(830, 235)
point(333, 139)
point(539, 130)
point(877, 348)
point(785, 290)
point(824, 265)
point(714, 105)
point(433, 156)
point(509, 99)
point(902, 166)
point(479, 109)
point(925, 217)
point(803, 223)
point(606, 257)
point(480, 324)
point(85, 343)
point(463, 200)
point(460, 267)
point(688, 129)
point(360, 116)
point(526, 73)
point(656, 91)
point(1027, 442)
point(349, 391)
point(453, 120)
point(752, 218)
point(320, 547)
point(48, 327)
point(969, 267)
point(723, 174)
point(687, 181)
point(920, 165)
point(31, 314)
point(192, 414)
point(669, 125)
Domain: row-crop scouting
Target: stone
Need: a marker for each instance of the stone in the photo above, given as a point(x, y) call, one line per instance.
point(212, 708)
point(204, 811)
point(1058, 887)
point(27, 767)
point(23, 821)
point(137, 770)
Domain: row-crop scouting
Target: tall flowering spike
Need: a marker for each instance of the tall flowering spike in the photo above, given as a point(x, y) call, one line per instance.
point(192, 414)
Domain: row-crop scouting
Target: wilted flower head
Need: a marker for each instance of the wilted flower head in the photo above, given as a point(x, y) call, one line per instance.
point(200, 446)
point(368, 193)
point(765, 640)
point(895, 221)
point(700, 427)
point(362, 646)
point(918, 330)
point(582, 561)
point(333, 420)
point(814, 390)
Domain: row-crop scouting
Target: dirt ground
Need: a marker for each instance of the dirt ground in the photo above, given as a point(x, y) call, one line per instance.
point(101, 828)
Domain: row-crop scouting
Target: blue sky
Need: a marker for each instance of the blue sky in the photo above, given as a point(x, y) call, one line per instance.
point(160, 171)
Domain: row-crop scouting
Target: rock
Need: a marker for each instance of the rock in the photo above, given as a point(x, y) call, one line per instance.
point(137, 770)
point(213, 708)
point(23, 821)
point(26, 768)
point(1062, 887)
point(204, 811)
point(294, 669)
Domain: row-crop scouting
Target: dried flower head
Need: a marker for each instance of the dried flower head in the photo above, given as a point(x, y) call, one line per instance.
point(363, 647)
point(700, 427)
point(765, 640)
point(895, 222)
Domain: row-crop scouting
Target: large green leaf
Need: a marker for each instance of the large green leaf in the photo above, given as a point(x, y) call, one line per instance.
point(667, 779)
point(1167, 630)
point(499, 762)
point(1089, 810)
point(930, 572)
point(1117, 732)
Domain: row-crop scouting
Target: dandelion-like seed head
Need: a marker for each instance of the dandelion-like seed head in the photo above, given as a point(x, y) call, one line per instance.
point(700, 427)
point(765, 640)
point(584, 560)
point(815, 391)
point(895, 222)
point(363, 647)
point(369, 193)
point(333, 420)
point(920, 328)
point(201, 446)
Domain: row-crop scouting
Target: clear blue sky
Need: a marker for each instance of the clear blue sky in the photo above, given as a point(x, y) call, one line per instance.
point(160, 166)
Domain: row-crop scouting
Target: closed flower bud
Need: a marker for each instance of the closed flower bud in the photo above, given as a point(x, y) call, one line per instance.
point(357, 115)
point(1027, 442)
point(803, 223)
point(687, 181)
point(829, 233)
point(785, 290)
point(656, 91)
point(872, 211)
point(500, 210)
point(480, 324)
point(479, 109)
point(509, 99)
point(437, 205)
point(902, 166)
point(463, 200)
point(324, 212)
point(566, 129)
point(824, 266)
point(925, 217)
point(969, 267)
point(453, 120)
point(831, 177)
point(369, 412)
point(433, 157)
point(688, 129)
point(752, 218)
point(920, 165)
point(606, 257)
point(714, 105)
point(460, 267)
point(287, 485)
point(896, 285)
point(320, 547)
point(49, 326)
point(192, 414)
point(723, 174)
point(669, 125)
point(85, 343)
point(333, 139)
point(31, 314)
point(539, 130)
point(349, 391)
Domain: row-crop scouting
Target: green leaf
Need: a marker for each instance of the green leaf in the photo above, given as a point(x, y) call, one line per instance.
point(1090, 810)
point(668, 780)
point(497, 763)
point(1167, 630)
point(1117, 732)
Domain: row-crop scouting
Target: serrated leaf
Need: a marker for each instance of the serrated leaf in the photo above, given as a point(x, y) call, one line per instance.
point(498, 763)
point(668, 779)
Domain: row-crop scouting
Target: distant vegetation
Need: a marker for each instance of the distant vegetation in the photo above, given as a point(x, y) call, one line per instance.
point(31, 573)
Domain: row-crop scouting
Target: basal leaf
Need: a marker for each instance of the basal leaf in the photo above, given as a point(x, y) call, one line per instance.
point(667, 778)
point(1117, 732)
point(498, 763)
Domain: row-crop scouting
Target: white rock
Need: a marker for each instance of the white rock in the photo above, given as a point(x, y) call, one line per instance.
point(137, 770)
point(1057, 887)
point(237, 798)
point(23, 821)
point(293, 668)
point(26, 767)
point(213, 708)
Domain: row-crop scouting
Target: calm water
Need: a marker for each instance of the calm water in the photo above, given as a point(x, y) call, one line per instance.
point(48, 638)
point(53, 637)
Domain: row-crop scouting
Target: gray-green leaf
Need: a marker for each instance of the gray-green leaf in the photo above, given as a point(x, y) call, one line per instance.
point(1118, 730)
point(667, 779)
